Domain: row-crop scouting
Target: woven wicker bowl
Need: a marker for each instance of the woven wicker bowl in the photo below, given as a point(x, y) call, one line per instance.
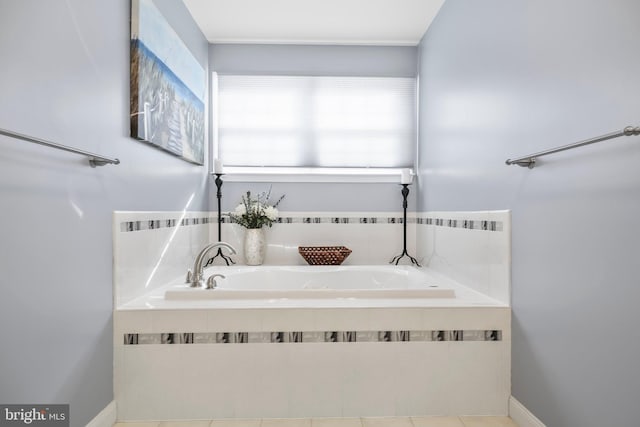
point(324, 255)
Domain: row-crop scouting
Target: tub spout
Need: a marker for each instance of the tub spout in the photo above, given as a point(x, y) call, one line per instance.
point(197, 278)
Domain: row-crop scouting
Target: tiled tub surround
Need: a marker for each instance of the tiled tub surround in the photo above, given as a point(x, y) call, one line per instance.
point(374, 237)
point(288, 358)
point(153, 248)
point(472, 248)
point(338, 358)
point(303, 362)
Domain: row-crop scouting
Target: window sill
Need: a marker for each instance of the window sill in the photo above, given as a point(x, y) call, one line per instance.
point(292, 174)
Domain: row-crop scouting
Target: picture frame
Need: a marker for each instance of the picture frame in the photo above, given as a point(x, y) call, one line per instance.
point(167, 86)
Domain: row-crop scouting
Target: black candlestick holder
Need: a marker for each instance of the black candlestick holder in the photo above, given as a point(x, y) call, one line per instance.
point(397, 258)
point(226, 258)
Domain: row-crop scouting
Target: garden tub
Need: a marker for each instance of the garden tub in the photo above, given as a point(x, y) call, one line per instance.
point(315, 282)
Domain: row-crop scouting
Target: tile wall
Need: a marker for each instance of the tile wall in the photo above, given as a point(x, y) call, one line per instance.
point(373, 237)
point(230, 378)
point(153, 248)
point(244, 363)
point(472, 248)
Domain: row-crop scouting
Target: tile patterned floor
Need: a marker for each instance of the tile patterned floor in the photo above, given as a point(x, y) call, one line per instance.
point(340, 422)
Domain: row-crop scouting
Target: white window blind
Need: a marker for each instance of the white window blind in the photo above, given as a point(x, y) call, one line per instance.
point(301, 121)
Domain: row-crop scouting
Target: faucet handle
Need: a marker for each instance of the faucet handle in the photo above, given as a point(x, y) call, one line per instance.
point(189, 276)
point(211, 281)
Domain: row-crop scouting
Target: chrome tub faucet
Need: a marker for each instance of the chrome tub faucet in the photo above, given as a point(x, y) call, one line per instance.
point(195, 277)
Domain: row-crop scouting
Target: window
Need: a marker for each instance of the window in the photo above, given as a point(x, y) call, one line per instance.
point(316, 122)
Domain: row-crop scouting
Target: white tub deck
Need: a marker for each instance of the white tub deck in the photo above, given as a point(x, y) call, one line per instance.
point(315, 287)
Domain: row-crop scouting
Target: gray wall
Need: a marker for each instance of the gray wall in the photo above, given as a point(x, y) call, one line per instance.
point(320, 197)
point(64, 77)
point(313, 60)
point(372, 61)
point(501, 79)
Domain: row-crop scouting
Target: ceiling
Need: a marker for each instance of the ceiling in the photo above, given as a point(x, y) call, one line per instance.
point(351, 22)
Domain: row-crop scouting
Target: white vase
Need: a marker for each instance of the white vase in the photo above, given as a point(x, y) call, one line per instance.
point(255, 245)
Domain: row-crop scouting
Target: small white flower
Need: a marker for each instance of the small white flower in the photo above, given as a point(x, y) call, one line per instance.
point(271, 213)
point(255, 212)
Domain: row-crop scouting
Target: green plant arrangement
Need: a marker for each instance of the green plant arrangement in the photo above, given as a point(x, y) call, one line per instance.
point(256, 212)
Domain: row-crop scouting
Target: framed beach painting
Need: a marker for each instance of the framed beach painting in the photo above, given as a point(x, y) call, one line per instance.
point(167, 86)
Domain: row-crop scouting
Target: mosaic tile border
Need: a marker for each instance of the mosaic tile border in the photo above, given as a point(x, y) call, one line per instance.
point(334, 220)
point(484, 225)
point(311, 337)
point(154, 224)
point(343, 220)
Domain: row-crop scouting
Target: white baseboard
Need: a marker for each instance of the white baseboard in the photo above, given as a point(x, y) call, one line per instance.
point(106, 417)
point(521, 415)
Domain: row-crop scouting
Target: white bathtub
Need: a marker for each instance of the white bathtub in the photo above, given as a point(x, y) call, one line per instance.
point(316, 282)
point(321, 341)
